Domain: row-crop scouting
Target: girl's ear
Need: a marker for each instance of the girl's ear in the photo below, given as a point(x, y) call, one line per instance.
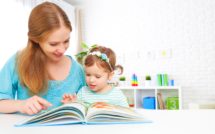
point(110, 76)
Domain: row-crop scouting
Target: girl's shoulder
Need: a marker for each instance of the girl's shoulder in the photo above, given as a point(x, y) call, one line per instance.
point(84, 89)
point(115, 90)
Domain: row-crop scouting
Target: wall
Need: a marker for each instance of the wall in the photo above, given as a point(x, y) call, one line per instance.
point(14, 26)
point(151, 36)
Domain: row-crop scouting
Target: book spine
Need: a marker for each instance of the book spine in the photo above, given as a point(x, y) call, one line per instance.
point(165, 80)
point(159, 79)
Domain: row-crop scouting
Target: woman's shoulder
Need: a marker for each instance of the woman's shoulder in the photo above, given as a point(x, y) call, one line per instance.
point(9, 69)
point(10, 63)
point(76, 68)
point(74, 62)
point(77, 72)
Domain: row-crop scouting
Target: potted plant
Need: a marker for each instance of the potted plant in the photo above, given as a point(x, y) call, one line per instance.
point(148, 80)
point(148, 77)
point(122, 80)
point(85, 50)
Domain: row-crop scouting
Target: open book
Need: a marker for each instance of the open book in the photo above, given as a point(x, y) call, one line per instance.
point(80, 113)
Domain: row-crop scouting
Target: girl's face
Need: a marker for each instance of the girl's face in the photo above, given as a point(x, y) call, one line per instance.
point(56, 44)
point(97, 78)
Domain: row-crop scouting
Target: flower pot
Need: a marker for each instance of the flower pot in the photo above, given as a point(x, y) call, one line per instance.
point(122, 83)
point(148, 83)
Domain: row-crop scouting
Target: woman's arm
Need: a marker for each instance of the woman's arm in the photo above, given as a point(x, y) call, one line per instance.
point(30, 106)
point(9, 106)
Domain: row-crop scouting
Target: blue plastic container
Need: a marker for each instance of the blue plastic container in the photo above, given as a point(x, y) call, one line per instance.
point(148, 102)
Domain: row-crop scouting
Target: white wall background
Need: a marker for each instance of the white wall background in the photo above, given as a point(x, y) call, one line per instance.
point(14, 26)
point(141, 30)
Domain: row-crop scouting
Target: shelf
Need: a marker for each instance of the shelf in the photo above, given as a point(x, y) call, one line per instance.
point(137, 97)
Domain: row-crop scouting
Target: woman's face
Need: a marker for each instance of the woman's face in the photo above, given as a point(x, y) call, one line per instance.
point(56, 44)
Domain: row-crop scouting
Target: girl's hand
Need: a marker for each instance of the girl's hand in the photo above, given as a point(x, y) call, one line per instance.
point(102, 105)
point(67, 98)
point(33, 105)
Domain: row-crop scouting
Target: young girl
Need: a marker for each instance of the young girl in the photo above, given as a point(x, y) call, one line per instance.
point(39, 75)
point(99, 69)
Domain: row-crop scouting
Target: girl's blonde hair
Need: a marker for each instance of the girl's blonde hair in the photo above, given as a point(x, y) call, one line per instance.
point(31, 61)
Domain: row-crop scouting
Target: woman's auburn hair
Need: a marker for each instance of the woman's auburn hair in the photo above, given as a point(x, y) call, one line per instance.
point(31, 61)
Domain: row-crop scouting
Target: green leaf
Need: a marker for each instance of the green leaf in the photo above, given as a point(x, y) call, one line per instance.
point(122, 78)
point(93, 46)
point(84, 46)
point(148, 77)
point(81, 54)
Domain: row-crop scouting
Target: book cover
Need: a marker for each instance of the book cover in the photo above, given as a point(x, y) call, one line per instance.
point(159, 79)
point(79, 113)
point(160, 101)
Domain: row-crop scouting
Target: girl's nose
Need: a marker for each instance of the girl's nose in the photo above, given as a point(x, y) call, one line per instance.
point(91, 79)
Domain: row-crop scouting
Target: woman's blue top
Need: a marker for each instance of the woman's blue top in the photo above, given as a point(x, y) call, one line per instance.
point(11, 88)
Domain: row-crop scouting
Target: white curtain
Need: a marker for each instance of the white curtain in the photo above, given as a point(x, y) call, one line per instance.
point(14, 23)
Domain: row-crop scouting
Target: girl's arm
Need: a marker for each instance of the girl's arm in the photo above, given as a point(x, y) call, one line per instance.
point(30, 106)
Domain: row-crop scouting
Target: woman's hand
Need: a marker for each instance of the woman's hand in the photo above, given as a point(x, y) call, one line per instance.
point(33, 105)
point(67, 98)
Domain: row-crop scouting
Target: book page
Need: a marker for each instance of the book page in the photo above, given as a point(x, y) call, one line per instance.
point(72, 111)
point(107, 112)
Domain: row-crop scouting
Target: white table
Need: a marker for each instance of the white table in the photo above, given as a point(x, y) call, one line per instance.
point(164, 122)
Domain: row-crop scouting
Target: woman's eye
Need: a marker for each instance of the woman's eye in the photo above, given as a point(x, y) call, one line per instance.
point(53, 44)
point(67, 41)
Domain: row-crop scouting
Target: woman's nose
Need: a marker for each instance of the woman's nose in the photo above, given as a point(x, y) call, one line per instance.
point(61, 49)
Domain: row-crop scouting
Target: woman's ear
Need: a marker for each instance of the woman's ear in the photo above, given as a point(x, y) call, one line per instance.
point(35, 42)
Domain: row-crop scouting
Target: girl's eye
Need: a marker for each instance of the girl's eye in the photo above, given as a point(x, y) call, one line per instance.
point(98, 77)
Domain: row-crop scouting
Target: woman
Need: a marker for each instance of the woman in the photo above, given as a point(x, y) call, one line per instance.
point(37, 77)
